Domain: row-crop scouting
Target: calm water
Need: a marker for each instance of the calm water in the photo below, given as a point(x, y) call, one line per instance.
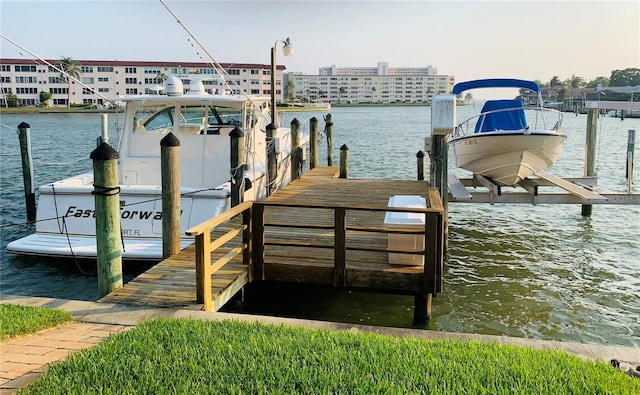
point(541, 272)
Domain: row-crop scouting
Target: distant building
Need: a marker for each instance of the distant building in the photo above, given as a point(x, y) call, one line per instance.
point(112, 78)
point(381, 84)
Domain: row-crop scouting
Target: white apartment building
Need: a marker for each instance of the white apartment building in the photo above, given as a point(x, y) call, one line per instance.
point(380, 84)
point(27, 78)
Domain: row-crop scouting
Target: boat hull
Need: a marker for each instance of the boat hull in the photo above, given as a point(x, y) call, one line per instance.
point(507, 157)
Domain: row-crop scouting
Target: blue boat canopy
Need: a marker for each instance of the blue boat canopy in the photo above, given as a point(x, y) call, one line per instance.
point(495, 83)
point(501, 115)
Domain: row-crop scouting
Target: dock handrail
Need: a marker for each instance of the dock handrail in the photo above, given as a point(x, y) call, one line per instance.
point(254, 241)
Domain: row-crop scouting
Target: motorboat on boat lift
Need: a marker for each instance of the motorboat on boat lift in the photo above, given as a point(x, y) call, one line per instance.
point(65, 224)
point(502, 143)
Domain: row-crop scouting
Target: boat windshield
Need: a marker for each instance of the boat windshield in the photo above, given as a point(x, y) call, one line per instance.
point(190, 119)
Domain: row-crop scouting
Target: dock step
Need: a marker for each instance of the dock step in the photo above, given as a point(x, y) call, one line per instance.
point(572, 188)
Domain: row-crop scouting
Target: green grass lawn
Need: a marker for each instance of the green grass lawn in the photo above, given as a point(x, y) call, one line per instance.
point(20, 320)
point(196, 357)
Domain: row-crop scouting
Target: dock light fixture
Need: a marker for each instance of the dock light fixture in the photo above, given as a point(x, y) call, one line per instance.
point(287, 50)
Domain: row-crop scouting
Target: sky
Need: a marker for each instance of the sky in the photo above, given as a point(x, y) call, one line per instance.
point(532, 40)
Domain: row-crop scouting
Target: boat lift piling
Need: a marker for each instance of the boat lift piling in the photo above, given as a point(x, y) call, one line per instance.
point(107, 204)
point(24, 136)
point(170, 181)
point(590, 153)
point(443, 121)
point(631, 143)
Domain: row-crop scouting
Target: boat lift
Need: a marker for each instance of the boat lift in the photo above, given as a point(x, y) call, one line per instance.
point(580, 190)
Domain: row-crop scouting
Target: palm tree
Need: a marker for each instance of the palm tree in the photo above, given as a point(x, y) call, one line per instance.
point(468, 98)
point(161, 77)
point(574, 82)
point(71, 70)
point(291, 88)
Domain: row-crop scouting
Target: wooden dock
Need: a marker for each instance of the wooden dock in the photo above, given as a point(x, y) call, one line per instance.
point(319, 229)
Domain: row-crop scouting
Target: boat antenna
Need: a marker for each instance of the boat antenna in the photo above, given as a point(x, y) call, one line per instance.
point(58, 69)
point(214, 62)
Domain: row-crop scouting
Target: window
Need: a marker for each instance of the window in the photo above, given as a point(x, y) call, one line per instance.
point(130, 70)
point(25, 69)
point(27, 90)
point(208, 71)
point(255, 82)
point(234, 72)
point(255, 71)
point(26, 80)
point(59, 91)
point(87, 69)
point(103, 79)
point(56, 80)
point(131, 91)
point(103, 90)
point(152, 70)
point(255, 91)
point(131, 80)
point(105, 69)
point(5, 67)
point(87, 80)
point(5, 79)
point(86, 91)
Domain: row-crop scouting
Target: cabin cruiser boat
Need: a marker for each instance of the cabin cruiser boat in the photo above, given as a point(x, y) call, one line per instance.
point(502, 143)
point(201, 121)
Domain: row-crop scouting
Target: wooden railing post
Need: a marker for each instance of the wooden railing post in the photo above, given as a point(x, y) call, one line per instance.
point(170, 181)
point(258, 241)
point(247, 239)
point(344, 161)
point(340, 248)
point(203, 270)
point(237, 166)
point(296, 150)
point(328, 122)
point(313, 141)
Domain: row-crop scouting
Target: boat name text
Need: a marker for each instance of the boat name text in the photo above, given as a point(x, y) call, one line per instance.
point(76, 212)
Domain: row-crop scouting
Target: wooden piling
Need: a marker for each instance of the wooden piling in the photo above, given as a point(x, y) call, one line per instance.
point(439, 176)
point(170, 174)
point(420, 160)
point(237, 166)
point(24, 136)
point(107, 203)
point(313, 141)
point(344, 161)
point(590, 153)
point(329, 133)
point(631, 143)
point(272, 159)
point(296, 150)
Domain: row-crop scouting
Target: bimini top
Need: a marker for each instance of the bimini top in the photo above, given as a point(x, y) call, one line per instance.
point(495, 83)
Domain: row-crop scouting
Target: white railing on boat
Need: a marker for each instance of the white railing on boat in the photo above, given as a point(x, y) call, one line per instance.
point(467, 127)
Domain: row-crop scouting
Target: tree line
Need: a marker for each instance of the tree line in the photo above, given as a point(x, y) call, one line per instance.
point(626, 77)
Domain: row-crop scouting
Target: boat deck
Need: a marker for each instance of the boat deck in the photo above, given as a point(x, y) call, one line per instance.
point(299, 246)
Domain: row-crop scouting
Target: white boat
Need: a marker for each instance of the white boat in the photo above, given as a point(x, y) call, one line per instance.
point(502, 143)
point(65, 224)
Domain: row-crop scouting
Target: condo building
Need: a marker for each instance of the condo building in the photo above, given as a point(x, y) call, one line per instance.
point(381, 84)
point(106, 80)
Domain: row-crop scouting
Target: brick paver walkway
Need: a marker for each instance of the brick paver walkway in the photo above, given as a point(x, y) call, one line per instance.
point(24, 358)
